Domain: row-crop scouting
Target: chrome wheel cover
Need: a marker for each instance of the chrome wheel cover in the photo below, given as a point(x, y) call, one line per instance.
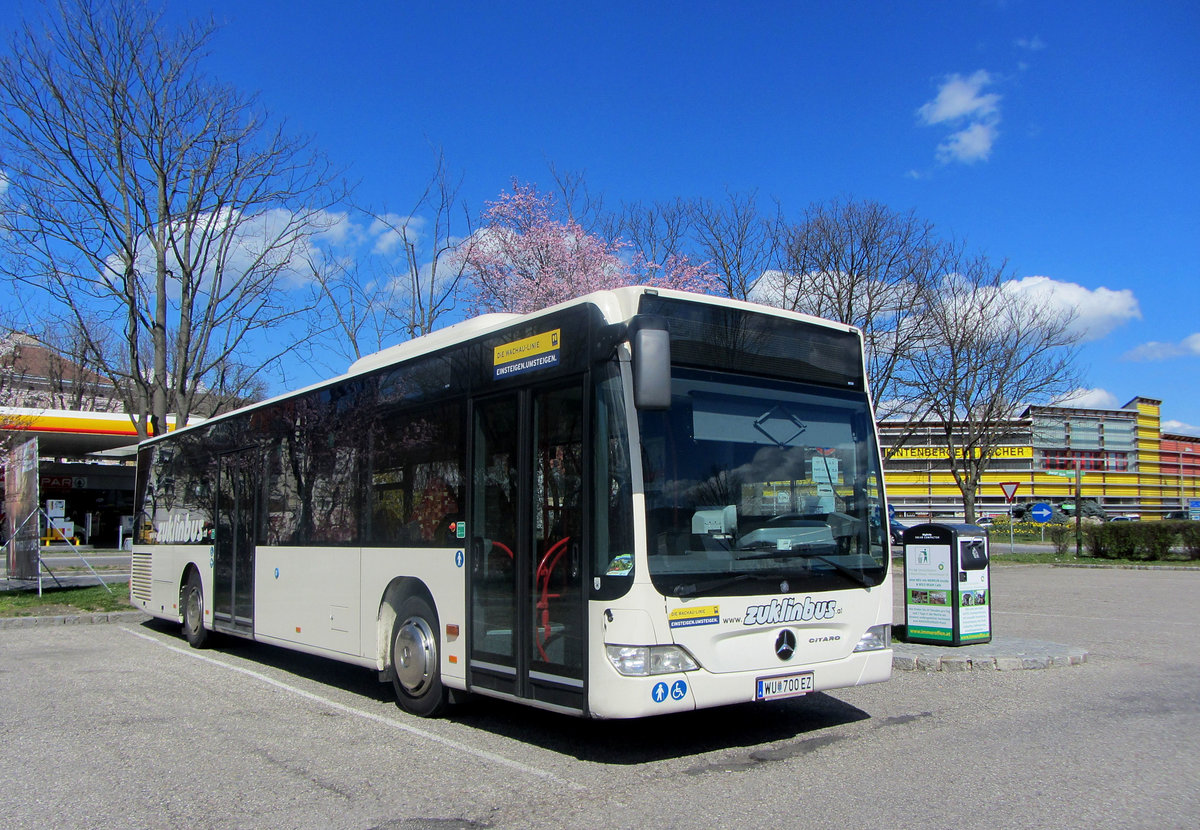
point(414, 653)
point(192, 612)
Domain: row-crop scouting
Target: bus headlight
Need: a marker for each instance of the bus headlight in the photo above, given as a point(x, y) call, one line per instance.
point(878, 637)
point(643, 661)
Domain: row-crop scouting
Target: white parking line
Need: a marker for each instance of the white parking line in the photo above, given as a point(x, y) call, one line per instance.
point(350, 710)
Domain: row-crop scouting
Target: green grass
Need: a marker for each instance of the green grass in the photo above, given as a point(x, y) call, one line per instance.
point(1002, 557)
point(65, 601)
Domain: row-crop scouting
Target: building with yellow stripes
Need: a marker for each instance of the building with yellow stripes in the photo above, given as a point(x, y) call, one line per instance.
point(1129, 467)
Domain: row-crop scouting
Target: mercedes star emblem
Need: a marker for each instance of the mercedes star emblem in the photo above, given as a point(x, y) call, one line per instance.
point(785, 645)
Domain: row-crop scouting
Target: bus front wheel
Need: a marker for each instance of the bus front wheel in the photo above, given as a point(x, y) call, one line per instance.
point(192, 603)
point(416, 668)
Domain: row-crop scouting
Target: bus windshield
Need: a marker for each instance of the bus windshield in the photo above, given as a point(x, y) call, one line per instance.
point(758, 486)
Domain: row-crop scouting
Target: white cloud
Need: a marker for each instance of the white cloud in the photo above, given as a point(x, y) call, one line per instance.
point(1032, 44)
point(974, 115)
point(1180, 428)
point(276, 241)
point(337, 228)
point(961, 98)
point(968, 145)
point(391, 229)
point(1154, 350)
point(1083, 398)
point(1097, 311)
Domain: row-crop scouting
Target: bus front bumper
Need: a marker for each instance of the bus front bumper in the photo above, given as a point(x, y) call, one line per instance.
point(633, 697)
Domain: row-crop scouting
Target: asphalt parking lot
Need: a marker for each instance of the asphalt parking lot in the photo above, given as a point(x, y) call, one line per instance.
point(122, 725)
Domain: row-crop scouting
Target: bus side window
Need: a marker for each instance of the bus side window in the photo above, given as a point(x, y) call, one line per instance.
point(415, 476)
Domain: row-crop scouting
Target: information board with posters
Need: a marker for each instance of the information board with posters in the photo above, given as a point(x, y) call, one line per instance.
point(947, 589)
point(20, 505)
point(928, 583)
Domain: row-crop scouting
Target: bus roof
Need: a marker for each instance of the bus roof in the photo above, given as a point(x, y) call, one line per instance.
point(615, 304)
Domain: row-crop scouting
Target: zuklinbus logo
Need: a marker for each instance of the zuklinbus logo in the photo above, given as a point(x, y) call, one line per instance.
point(790, 610)
point(180, 529)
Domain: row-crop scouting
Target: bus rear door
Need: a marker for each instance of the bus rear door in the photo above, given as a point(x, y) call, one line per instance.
point(237, 506)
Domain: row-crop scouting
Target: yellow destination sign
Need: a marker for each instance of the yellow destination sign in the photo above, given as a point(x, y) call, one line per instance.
point(539, 344)
point(688, 617)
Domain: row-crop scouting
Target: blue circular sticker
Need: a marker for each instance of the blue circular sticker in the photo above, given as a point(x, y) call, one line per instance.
point(277, 573)
point(458, 558)
point(659, 693)
point(678, 690)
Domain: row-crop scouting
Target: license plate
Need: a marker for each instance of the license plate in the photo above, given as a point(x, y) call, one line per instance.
point(789, 685)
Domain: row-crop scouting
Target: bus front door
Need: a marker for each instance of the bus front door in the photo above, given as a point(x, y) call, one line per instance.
point(526, 586)
point(233, 548)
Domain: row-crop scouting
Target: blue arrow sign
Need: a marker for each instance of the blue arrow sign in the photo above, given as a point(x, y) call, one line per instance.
point(1041, 512)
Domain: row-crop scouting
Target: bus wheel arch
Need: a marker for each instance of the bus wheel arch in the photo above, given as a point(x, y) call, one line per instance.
point(412, 650)
point(191, 608)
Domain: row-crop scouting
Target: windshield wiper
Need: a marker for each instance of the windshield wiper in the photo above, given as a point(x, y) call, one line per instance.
point(693, 588)
point(810, 553)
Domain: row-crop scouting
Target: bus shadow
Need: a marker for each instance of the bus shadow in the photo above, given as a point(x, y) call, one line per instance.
point(624, 742)
point(354, 679)
point(617, 742)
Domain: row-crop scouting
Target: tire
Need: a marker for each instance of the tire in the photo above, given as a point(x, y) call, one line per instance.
point(191, 602)
point(416, 663)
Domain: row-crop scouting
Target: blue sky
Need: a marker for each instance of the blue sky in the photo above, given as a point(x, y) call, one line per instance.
point(1058, 136)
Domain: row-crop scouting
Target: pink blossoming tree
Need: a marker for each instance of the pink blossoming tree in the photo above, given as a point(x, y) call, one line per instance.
point(523, 259)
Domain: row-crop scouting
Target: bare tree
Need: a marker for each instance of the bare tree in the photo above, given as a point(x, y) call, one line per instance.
point(435, 252)
point(407, 284)
point(738, 242)
point(578, 203)
point(148, 197)
point(866, 265)
point(659, 230)
point(990, 351)
point(66, 368)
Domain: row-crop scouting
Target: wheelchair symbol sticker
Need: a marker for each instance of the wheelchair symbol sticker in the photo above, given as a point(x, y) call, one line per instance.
point(677, 691)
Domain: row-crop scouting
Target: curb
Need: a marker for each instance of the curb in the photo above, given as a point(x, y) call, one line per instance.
point(1001, 654)
point(73, 619)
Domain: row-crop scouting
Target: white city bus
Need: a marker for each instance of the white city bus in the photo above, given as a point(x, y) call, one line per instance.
point(638, 502)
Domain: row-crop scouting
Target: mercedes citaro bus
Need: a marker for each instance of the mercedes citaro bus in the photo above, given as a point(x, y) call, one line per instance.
point(637, 502)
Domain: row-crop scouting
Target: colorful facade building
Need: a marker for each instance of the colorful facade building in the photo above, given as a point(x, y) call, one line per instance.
point(1128, 466)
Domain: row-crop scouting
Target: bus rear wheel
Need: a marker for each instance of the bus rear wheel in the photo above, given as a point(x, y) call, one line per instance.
point(416, 667)
point(192, 603)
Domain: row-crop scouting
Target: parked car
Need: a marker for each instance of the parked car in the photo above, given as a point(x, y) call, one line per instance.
point(897, 532)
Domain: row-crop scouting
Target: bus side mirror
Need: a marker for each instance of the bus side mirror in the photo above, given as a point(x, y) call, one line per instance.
point(650, 345)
